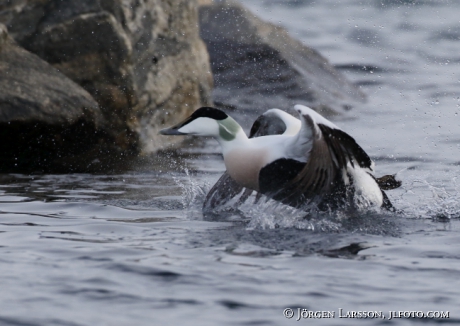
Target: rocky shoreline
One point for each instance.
(87, 85)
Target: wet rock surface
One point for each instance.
(41, 112)
(257, 65)
(143, 62)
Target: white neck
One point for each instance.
(241, 140)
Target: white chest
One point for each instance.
(244, 166)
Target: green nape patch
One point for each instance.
(228, 128)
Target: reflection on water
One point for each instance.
(134, 248)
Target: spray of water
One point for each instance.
(270, 214)
(417, 198)
(193, 194)
(424, 199)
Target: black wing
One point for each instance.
(317, 177)
(322, 177)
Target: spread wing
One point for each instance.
(323, 165)
(329, 153)
(272, 122)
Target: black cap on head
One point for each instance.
(204, 112)
(208, 112)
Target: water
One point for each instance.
(134, 249)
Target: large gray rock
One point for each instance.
(41, 111)
(257, 65)
(143, 61)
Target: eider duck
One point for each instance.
(298, 162)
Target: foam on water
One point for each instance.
(269, 214)
(420, 197)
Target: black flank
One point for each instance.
(277, 174)
(387, 203)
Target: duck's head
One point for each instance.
(206, 121)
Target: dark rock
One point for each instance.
(143, 61)
(257, 65)
(41, 111)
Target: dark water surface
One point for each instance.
(134, 248)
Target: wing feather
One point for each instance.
(321, 168)
(330, 153)
(344, 145)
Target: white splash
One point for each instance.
(424, 199)
(193, 194)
